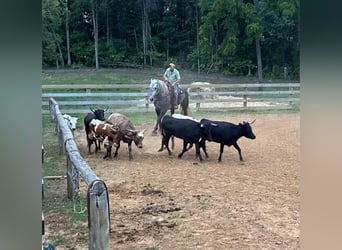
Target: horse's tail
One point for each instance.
(185, 103)
(161, 120)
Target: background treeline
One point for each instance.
(240, 37)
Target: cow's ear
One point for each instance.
(240, 124)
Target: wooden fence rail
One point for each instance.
(135, 97)
(97, 194)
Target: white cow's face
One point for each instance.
(71, 121)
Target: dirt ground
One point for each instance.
(162, 202)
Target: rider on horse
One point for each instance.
(172, 77)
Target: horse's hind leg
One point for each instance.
(185, 104)
(154, 132)
(160, 116)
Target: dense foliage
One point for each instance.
(204, 35)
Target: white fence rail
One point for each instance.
(134, 97)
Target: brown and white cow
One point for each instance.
(105, 132)
(129, 133)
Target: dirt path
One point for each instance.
(162, 202)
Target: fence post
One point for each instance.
(245, 99)
(52, 110)
(60, 139)
(98, 216)
(43, 219)
(42, 178)
(147, 102)
(88, 90)
(73, 186)
(291, 95)
(198, 104)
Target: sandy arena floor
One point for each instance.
(162, 202)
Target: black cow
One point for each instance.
(227, 133)
(188, 130)
(96, 114)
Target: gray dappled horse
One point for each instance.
(160, 96)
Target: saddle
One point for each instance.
(180, 91)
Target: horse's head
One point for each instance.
(153, 89)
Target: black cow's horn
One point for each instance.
(92, 110)
(252, 121)
(105, 109)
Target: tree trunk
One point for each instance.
(67, 31)
(107, 24)
(68, 42)
(197, 41)
(259, 62)
(144, 30)
(95, 31)
(167, 49)
(258, 48)
(60, 55)
(136, 41)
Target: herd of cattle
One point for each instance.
(119, 128)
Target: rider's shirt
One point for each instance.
(172, 76)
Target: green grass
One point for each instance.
(92, 76)
(52, 159)
(55, 164)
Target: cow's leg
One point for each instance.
(184, 149)
(162, 144)
(108, 152)
(89, 142)
(130, 156)
(198, 152)
(204, 148)
(172, 142)
(116, 150)
(96, 146)
(99, 145)
(165, 142)
(221, 151)
(106, 155)
(239, 150)
(190, 146)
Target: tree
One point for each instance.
(226, 36)
(52, 13)
(67, 32)
(257, 32)
(94, 10)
